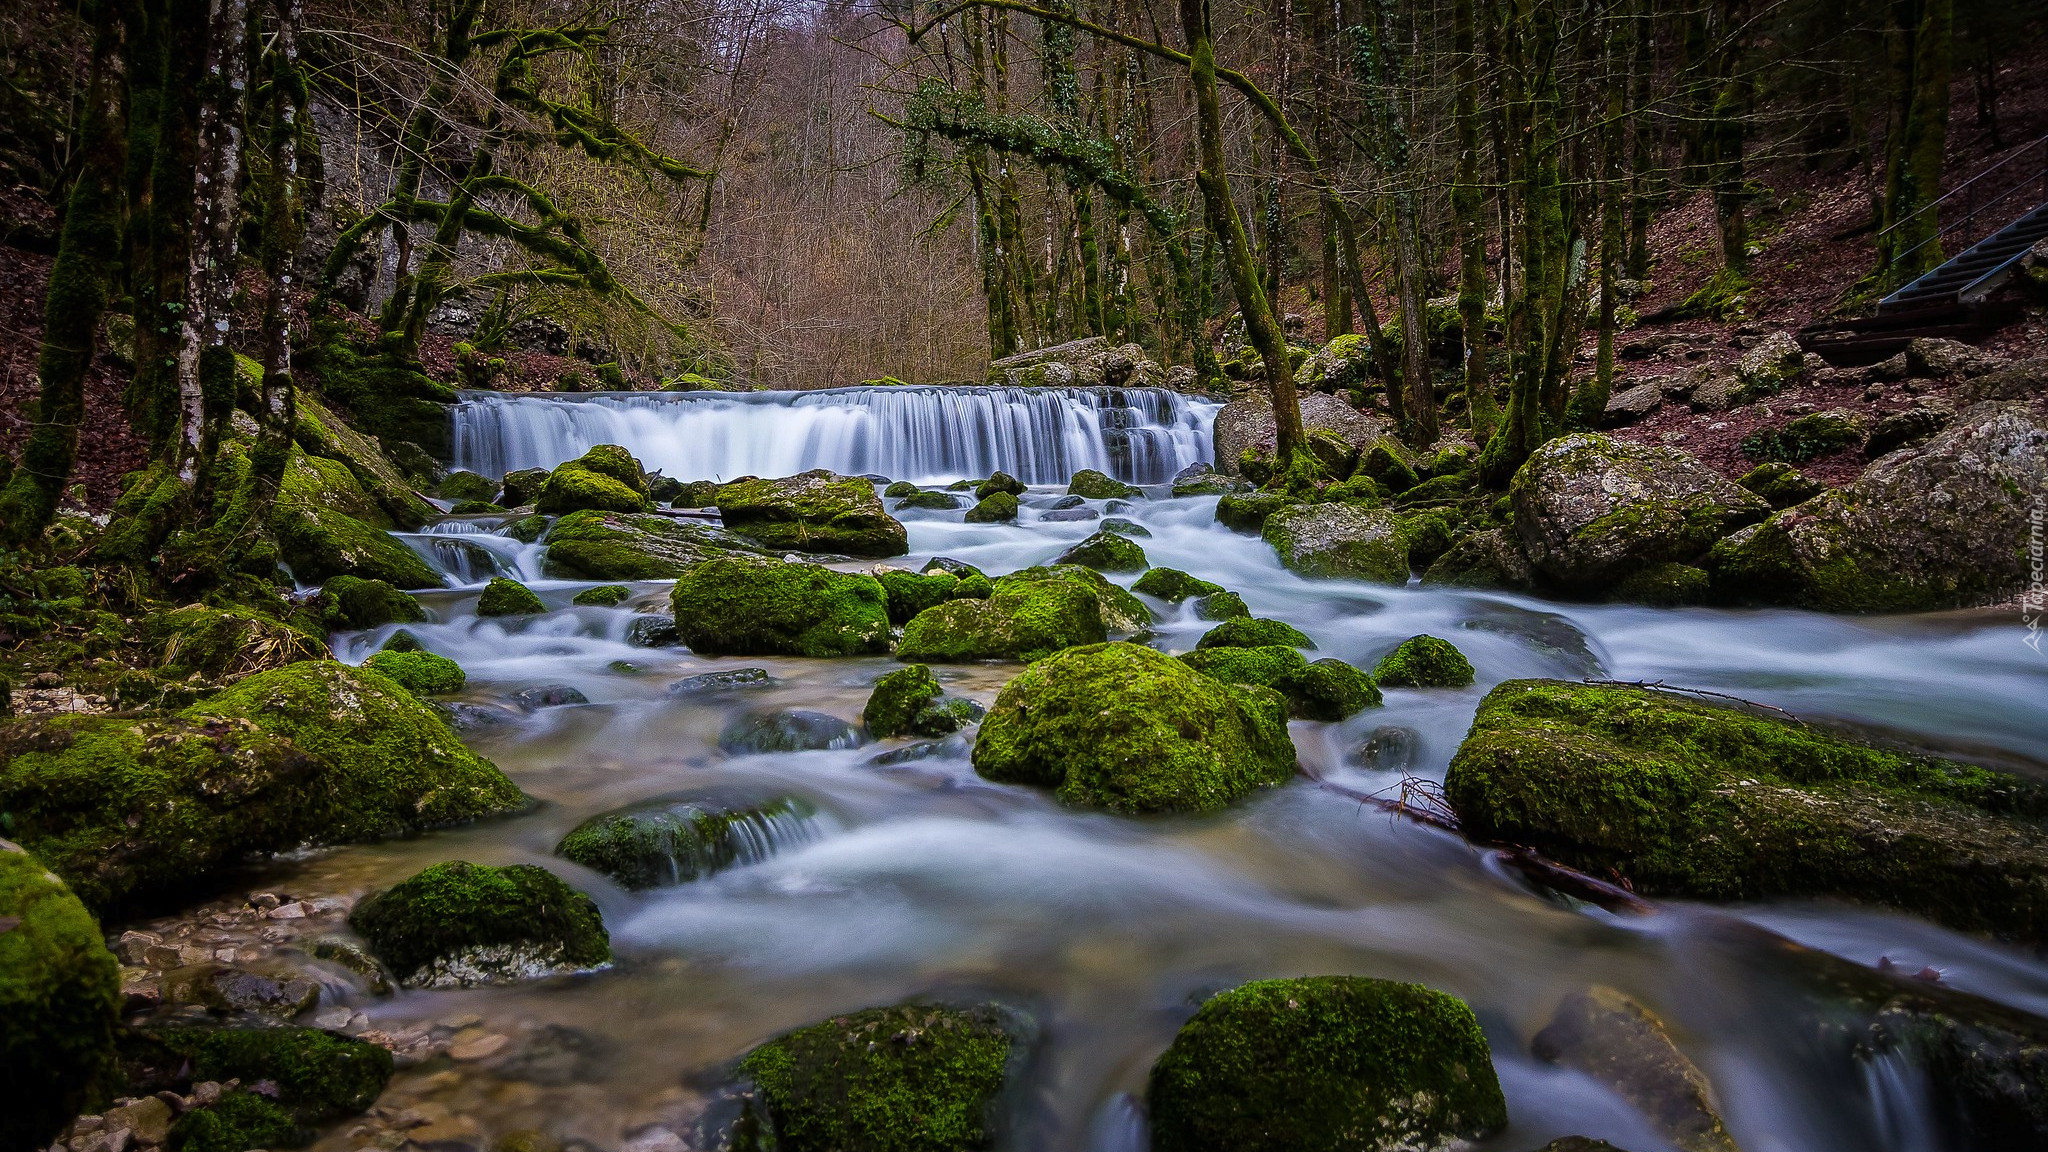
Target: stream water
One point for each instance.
(915, 878)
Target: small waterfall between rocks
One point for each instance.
(1039, 435)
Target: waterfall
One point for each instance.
(469, 552)
(925, 435)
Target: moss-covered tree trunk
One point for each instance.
(1467, 216)
(1921, 41)
(206, 362)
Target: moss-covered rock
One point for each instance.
(1122, 613)
(912, 592)
(1664, 585)
(527, 529)
(1389, 465)
(603, 596)
(382, 475)
(1326, 1064)
(597, 545)
(995, 508)
(60, 992)
(973, 586)
(1346, 540)
(1002, 483)
(521, 488)
(348, 603)
(504, 596)
(1202, 480)
(389, 765)
(236, 1122)
(1805, 437)
(816, 511)
(909, 702)
(1423, 662)
(1685, 799)
(1325, 690)
(1250, 632)
(1096, 485)
(1781, 485)
(606, 478)
(325, 526)
(914, 1078)
(458, 925)
(1132, 730)
(744, 606)
(1221, 606)
(1106, 552)
(318, 1077)
(1022, 619)
(900, 489)
(459, 486)
(220, 643)
(938, 501)
(697, 494)
(421, 673)
(665, 842)
(1173, 584)
(1489, 558)
(1247, 512)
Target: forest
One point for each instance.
(931, 575)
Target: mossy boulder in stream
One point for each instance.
(602, 596)
(913, 1078)
(606, 478)
(1023, 619)
(520, 488)
(1252, 632)
(60, 991)
(458, 925)
(221, 642)
(1130, 729)
(665, 842)
(744, 606)
(995, 508)
(1351, 541)
(1423, 662)
(1686, 799)
(1122, 613)
(912, 592)
(325, 525)
(815, 511)
(596, 545)
(909, 702)
(1173, 584)
(1324, 690)
(504, 596)
(239, 1119)
(1326, 1064)
(349, 603)
(421, 673)
(1093, 484)
(1106, 552)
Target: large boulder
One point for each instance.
(596, 545)
(1093, 484)
(1685, 799)
(1423, 662)
(1351, 541)
(1024, 619)
(1246, 425)
(1106, 552)
(1090, 362)
(319, 432)
(743, 606)
(459, 925)
(816, 511)
(326, 525)
(606, 478)
(1590, 510)
(910, 702)
(1489, 558)
(60, 992)
(1944, 525)
(1133, 730)
(1326, 1064)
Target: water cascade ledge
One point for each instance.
(925, 435)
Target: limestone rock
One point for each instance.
(1345, 540)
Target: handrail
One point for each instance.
(1969, 219)
(1944, 197)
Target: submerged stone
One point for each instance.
(1612, 1038)
(547, 696)
(727, 680)
(787, 731)
(458, 925)
(667, 842)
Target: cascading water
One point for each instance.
(1039, 435)
(470, 552)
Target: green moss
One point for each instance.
(421, 673)
(320, 1077)
(1002, 483)
(994, 508)
(597, 545)
(674, 842)
(217, 642)
(1325, 690)
(476, 508)
(457, 924)
(1022, 619)
(1390, 465)
(1685, 799)
(325, 525)
(1325, 1064)
(1248, 632)
(942, 501)
(236, 1122)
(59, 995)
(742, 606)
(1664, 585)
(1094, 485)
(900, 489)
(1221, 606)
(1780, 484)
(1126, 728)
(973, 586)
(1423, 662)
(1348, 540)
(390, 397)
(460, 485)
(915, 1078)
(816, 511)
(1106, 552)
(527, 529)
(1121, 611)
(504, 596)
(349, 603)
(697, 494)
(1173, 584)
(1247, 512)
(1427, 535)
(572, 488)
(1452, 487)
(388, 764)
(1805, 438)
(912, 592)
(521, 488)
(893, 706)
(603, 596)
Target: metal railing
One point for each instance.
(1973, 204)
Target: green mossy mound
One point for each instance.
(1664, 586)
(1221, 606)
(912, 592)
(460, 486)
(457, 925)
(325, 526)
(1342, 541)
(319, 1077)
(348, 604)
(603, 596)
(527, 529)
(597, 545)
(389, 397)
(1250, 632)
(1173, 584)
(1248, 512)
(1325, 1064)
(1106, 552)
(676, 841)
(1132, 730)
(504, 596)
(1326, 690)
(940, 501)
(1121, 611)
(389, 764)
(220, 643)
(995, 508)
(521, 488)
(236, 1122)
(1423, 662)
(1091, 484)
(1781, 485)
(914, 1078)
(900, 489)
(421, 673)
(1000, 484)
(1022, 619)
(743, 607)
(319, 432)
(973, 586)
(60, 991)
(605, 479)
(1685, 799)
(815, 511)
(909, 702)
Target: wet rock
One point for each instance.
(727, 680)
(1122, 527)
(1685, 799)
(1248, 512)
(912, 592)
(1327, 690)
(1023, 619)
(1106, 552)
(1632, 405)
(1546, 632)
(547, 696)
(816, 511)
(652, 630)
(1491, 558)
(1173, 584)
(1000, 484)
(606, 478)
(995, 508)
(1423, 662)
(1202, 480)
(1907, 427)
(1220, 606)
(1070, 515)
(59, 992)
(733, 606)
(1132, 730)
(635, 546)
(787, 731)
(507, 597)
(1344, 541)
(667, 842)
(1247, 632)
(1623, 1045)
(556, 1055)
(467, 717)
(458, 925)
(227, 989)
(521, 487)
(958, 569)
(603, 596)
(1390, 748)
(1389, 465)
(347, 954)
(1326, 1062)
(1246, 425)
(1064, 503)
(1781, 485)
(909, 702)
(938, 501)
(1096, 485)
(349, 603)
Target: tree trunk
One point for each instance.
(206, 363)
(1923, 50)
(1467, 208)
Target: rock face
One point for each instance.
(606, 478)
(665, 842)
(1941, 526)
(1246, 425)
(60, 990)
(912, 1078)
(1491, 558)
(1618, 1042)
(1133, 730)
(744, 606)
(634, 546)
(459, 925)
(1590, 510)
(786, 731)
(1327, 690)
(1345, 541)
(1326, 1064)
(1688, 800)
(816, 511)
